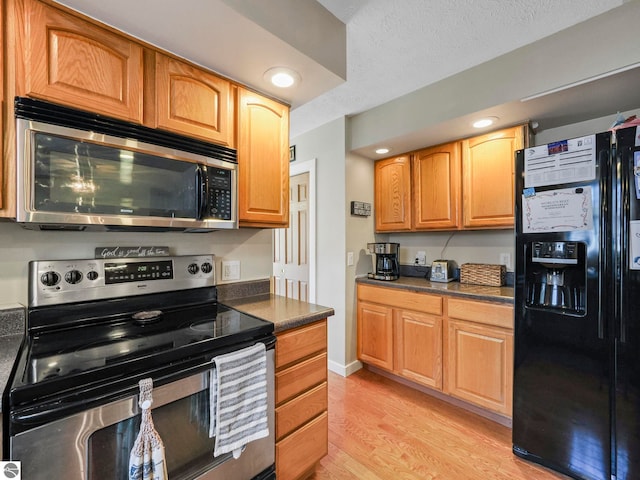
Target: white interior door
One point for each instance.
(291, 245)
(294, 248)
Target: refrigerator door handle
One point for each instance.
(622, 242)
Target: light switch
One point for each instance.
(349, 259)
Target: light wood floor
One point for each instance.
(382, 430)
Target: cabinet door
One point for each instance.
(436, 187)
(263, 161)
(480, 365)
(375, 335)
(418, 352)
(392, 187)
(488, 171)
(77, 63)
(193, 101)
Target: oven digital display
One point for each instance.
(122, 272)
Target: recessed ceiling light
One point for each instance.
(382, 151)
(485, 122)
(282, 77)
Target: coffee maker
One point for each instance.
(385, 261)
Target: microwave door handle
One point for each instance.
(202, 180)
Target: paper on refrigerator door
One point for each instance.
(562, 210)
(634, 245)
(560, 162)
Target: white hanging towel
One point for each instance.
(238, 399)
(146, 461)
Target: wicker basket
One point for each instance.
(483, 274)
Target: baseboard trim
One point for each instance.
(344, 370)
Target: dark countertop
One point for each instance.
(283, 312)
(419, 284)
(11, 333)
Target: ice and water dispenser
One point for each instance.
(556, 276)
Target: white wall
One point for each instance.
(18, 246)
(580, 129)
(463, 247)
(327, 145)
(359, 231)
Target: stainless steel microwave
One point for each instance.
(77, 170)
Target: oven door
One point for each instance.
(95, 444)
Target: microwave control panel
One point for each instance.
(220, 201)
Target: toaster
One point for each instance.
(443, 271)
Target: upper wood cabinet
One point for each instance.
(488, 167)
(75, 62)
(393, 194)
(468, 184)
(436, 187)
(263, 161)
(194, 102)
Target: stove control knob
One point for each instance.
(206, 267)
(50, 278)
(73, 277)
(92, 275)
(193, 268)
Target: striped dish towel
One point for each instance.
(238, 399)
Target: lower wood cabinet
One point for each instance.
(302, 423)
(375, 334)
(480, 354)
(461, 347)
(401, 331)
(419, 347)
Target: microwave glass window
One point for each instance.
(80, 177)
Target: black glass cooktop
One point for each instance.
(130, 338)
(74, 350)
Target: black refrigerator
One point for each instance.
(576, 405)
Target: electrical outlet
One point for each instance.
(231, 270)
(505, 259)
(349, 259)
(421, 258)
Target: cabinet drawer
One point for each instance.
(421, 302)
(299, 452)
(300, 410)
(301, 342)
(300, 377)
(481, 312)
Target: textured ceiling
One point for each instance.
(397, 46)
(393, 47)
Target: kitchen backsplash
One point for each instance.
(20, 246)
(424, 272)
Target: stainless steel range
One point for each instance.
(97, 327)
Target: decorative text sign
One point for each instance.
(131, 252)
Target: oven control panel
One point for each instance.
(65, 281)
